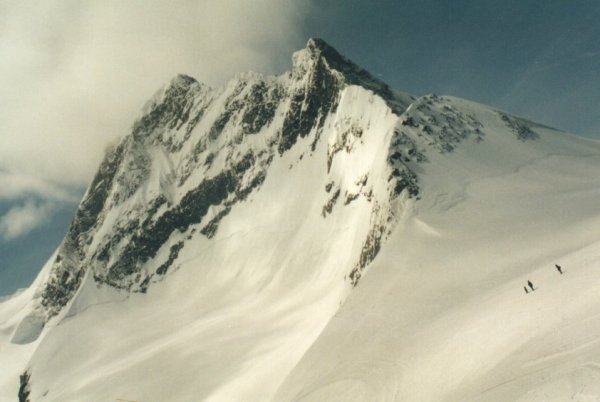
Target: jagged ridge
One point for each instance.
(196, 152)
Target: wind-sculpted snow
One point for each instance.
(220, 237)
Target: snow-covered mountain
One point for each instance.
(319, 236)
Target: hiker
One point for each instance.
(525, 289)
(558, 268)
(530, 285)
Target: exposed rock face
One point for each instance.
(196, 152)
(521, 128)
(67, 269)
(223, 239)
(24, 387)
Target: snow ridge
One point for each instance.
(191, 156)
(244, 217)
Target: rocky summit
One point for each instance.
(316, 236)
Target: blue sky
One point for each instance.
(22, 257)
(539, 59)
(75, 74)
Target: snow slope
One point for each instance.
(316, 236)
(235, 317)
(442, 314)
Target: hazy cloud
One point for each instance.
(75, 74)
(15, 186)
(22, 219)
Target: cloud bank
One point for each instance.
(75, 74)
(20, 220)
(16, 185)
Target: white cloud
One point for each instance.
(15, 186)
(75, 74)
(20, 220)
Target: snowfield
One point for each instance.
(442, 313)
(382, 257)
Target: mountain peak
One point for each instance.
(317, 50)
(228, 217)
(319, 45)
(183, 80)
